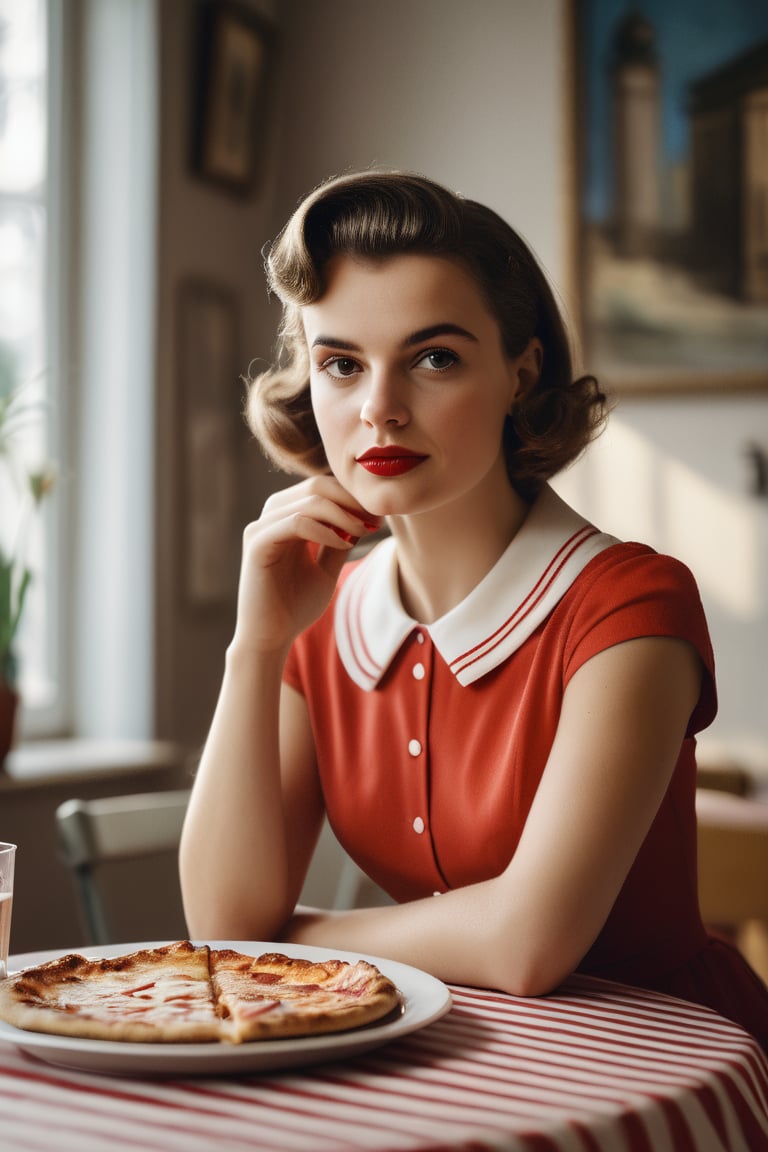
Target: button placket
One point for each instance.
(417, 743)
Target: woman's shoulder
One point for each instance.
(632, 565)
(629, 590)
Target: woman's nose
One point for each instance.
(384, 402)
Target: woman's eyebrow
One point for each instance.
(333, 342)
(446, 329)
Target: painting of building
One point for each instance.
(674, 199)
(729, 176)
(636, 122)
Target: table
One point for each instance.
(594, 1067)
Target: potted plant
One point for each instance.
(22, 490)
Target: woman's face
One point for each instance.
(410, 383)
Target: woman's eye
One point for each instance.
(437, 360)
(340, 367)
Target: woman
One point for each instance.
(497, 706)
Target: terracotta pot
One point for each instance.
(9, 700)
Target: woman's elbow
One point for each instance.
(530, 969)
(215, 919)
(532, 980)
(532, 984)
(226, 910)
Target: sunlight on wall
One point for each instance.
(629, 487)
(615, 486)
(717, 534)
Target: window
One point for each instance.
(27, 356)
(78, 195)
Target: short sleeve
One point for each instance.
(630, 591)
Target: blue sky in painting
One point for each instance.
(693, 37)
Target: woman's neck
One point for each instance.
(444, 554)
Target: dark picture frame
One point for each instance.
(235, 56)
(671, 194)
(209, 407)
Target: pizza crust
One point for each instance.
(186, 993)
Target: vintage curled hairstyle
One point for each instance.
(374, 215)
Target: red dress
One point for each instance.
(431, 740)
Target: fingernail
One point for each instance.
(345, 535)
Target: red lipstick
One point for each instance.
(390, 461)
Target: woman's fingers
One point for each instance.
(292, 557)
(316, 504)
(343, 510)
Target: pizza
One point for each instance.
(191, 993)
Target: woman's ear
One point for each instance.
(527, 368)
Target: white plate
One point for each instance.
(425, 1000)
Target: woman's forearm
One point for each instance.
(233, 848)
(462, 937)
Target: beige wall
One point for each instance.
(469, 93)
(475, 95)
(215, 238)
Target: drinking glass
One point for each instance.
(7, 858)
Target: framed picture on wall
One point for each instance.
(672, 201)
(211, 434)
(235, 56)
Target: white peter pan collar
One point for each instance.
(549, 551)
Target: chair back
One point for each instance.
(733, 870)
(123, 853)
(733, 858)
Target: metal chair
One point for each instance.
(123, 852)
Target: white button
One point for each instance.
(420, 637)
(419, 672)
(414, 747)
(437, 893)
(418, 825)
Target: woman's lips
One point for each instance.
(390, 461)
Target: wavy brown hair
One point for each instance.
(375, 215)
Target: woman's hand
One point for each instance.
(292, 557)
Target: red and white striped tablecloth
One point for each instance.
(596, 1067)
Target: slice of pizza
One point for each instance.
(273, 996)
(153, 995)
